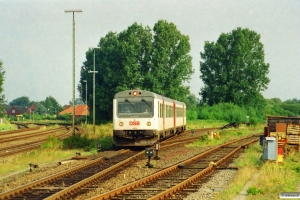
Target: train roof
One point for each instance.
(144, 93)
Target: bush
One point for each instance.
(65, 117)
(77, 142)
(51, 143)
(253, 191)
(228, 112)
(82, 142)
(191, 115)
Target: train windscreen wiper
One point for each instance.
(146, 102)
(129, 102)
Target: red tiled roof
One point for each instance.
(80, 110)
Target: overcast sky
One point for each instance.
(36, 38)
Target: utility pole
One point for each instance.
(73, 77)
(94, 72)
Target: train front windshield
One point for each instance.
(135, 106)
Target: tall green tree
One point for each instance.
(191, 102)
(171, 63)
(138, 57)
(20, 101)
(234, 70)
(51, 104)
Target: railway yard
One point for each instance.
(123, 174)
(179, 172)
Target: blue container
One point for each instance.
(269, 148)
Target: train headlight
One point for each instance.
(148, 123)
(134, 93)
(121, 123)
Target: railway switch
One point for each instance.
(149, 153)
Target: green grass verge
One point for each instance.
(272, 179)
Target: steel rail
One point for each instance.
(5, 151)
(151, 178)
(28, 187)
(67, 191)
(43, 181)
(21, 137)
(18, 131)
(64, 194)
(198, 176)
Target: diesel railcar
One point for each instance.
(142, 118)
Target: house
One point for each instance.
(80, 110)
(5, 108)
(17, 110)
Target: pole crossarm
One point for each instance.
(90, 71)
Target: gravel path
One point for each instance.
(218, 182)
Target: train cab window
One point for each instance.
(135, 106)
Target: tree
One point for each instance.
(292, 101)
(135, 58)
(51, 105)
(233, 69)
(192, 102)
(274, 101)
(40, 108)
(77, 101)
(21, 101)
(171, 64)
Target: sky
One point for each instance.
(36, 38)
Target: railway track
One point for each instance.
(5, 151)
(174, 182)
(29, 135)
(12, 143)
(59, 187)
(189, 135)
(18, 131)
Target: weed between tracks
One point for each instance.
(227, 135)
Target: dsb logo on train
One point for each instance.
(134, 123)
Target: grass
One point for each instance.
(54, 150)
(227, 135)
(272, 179)
(196, 124)
(6, 126)
(20, 162)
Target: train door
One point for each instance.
(174, 117)
(163, 114)
(183, 116)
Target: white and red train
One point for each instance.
(142, 118)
